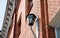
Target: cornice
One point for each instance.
(7, 18)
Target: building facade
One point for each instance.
(47, 12)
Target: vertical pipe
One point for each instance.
(46, 16)
(43, 24)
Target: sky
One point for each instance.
(2, 11)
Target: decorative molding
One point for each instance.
(7, 18)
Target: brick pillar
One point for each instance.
(50, 31)
(16, 25)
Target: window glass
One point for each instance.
(57, 32)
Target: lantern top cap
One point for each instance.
(31, 15)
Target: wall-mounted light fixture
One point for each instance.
(31, 19)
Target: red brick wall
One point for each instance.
(53, 6)
(25, 29)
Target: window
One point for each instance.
(57, 31)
